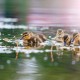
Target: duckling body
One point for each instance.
(32, 39)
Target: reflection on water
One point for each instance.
(28, 71)
(38, 66)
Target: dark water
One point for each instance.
(38, 66)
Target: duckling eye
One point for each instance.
(25, 35)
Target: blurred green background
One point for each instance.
(16, 9)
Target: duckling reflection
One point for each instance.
(76, 54)
(76, 49)
(28, 47)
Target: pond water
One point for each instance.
(39, 66)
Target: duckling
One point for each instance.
(76, 39)
(59, 35)
(67, 40)
(32, 39)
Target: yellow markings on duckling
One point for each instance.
(27, 47)
(27, 37)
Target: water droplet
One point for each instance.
(73, 62)
(55, 64)
(28, 55)
(45, 58)
(8, 61)
(1, 66)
